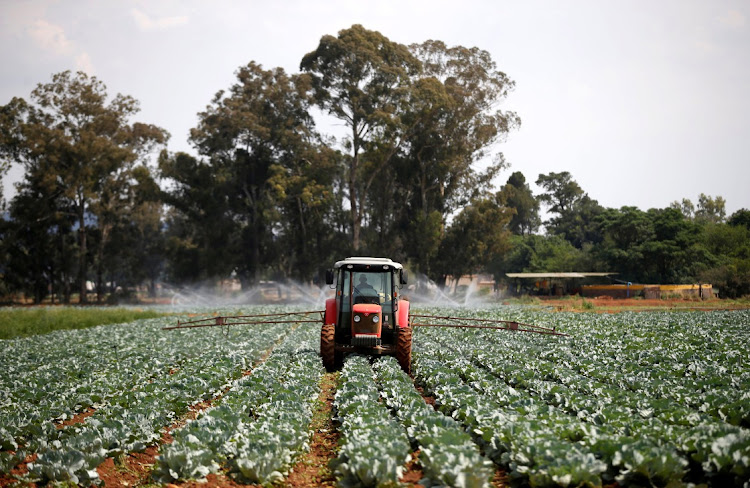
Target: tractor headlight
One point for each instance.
(375, 319)
(357, 318)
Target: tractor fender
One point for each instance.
(331, 311)
(403, 313)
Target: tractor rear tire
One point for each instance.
(328, 346)
(403, 348)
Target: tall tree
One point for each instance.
(305, 197)
(626, 231)
(455, 98)
(260, 150)
(685, 206)
(140, 239)
(740, 218)
(729, 269)
(476, 237)
(562, 192)
(30, 237)
(4, 167)
(575, 212)
(675, 253)
(517, 195)
(360, 77)
(82, 139)
(200, 233)
(452, 121)
(711, 209)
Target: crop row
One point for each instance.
(447, 453)
(383, 419)
(549, 423)
(374, 447)
(260, 425)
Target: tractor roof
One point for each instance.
(360, 261)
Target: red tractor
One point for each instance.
(367, 315)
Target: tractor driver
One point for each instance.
(364, 288)
(364, 292)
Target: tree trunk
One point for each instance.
(256, 246)
(353, 166)
(99, 282)
(82, 252)
(100, 263)
(355, 217)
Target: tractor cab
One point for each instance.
(367, 313)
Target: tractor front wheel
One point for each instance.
(328, 346)
(403, 348)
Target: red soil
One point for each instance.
(312, 468)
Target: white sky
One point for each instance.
(643, 102)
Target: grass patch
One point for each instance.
(25, 322)
(587, 305)
(523, 300)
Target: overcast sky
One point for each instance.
(643, 102)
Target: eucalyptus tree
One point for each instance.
(458, 121)
(361, 78)
(711, 209)
(199, 230)
(260, 161)
(517, 195)
(453, 121)
(83, 141)
(575, 213)
(562, 192)
(36, 244)
(305, 195)
(134, 251)
(4, 167)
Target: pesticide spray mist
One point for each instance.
(421, 291)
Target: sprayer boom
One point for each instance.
(267, 318)
(415, 319)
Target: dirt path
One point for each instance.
(11, 478)
(413, 472)
(312, 469)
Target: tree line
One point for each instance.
(267, 195)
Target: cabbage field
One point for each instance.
(631, 399)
